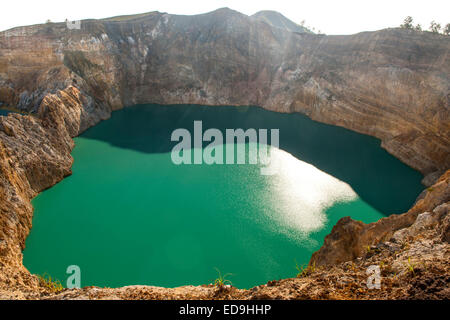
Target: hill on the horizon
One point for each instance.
(276, 19)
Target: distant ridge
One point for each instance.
(276, 19)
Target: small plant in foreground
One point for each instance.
(222, 281)
(411, 267)
(305, 271)
(48, 282)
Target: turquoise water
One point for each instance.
(128, 215)
(4, 112)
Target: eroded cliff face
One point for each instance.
(34, 155)
(392, 84)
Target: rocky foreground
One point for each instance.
(392, 84)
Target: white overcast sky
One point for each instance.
(329, 16)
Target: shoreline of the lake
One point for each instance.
(153, 124)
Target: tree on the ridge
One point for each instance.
(447, 29)
(435, 27)
(407, 23)
(418, 27)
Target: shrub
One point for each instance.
(49, 283)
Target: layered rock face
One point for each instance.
(392, 84)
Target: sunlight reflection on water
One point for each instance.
(302, 194)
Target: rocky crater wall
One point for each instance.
(392, 84)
